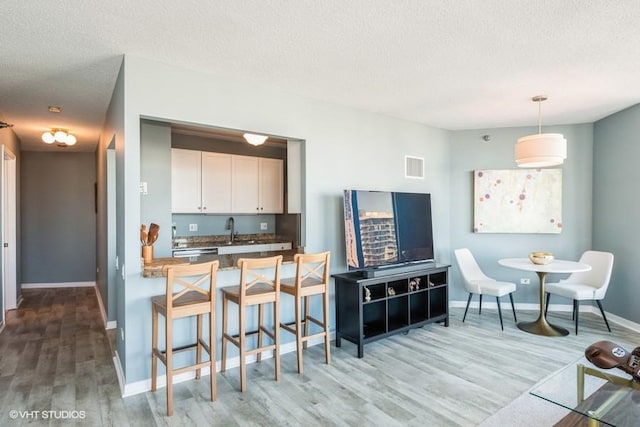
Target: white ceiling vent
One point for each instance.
(413, 167)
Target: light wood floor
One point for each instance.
(55, 356)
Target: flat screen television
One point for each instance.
(384, 228)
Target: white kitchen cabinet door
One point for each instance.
(185, 181)
(216, 182)
(271, 186)
(245, 193)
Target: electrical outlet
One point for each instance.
(525, 281)
(122, 334)
(263, 226)
(193, 227)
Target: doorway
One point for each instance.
(8, 230)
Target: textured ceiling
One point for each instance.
(460, 64)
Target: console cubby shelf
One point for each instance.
(368, 309)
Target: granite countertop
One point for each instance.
(227, 261)
(203, 242)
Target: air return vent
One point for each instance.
(413, 167)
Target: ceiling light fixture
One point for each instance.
(543, 149)
(254, 139)
(61, 137)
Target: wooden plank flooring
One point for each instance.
(56, 356)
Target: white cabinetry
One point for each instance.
(257, 185)
(205, 182)
(186, 181)
(200, 182)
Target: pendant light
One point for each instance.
(543, 149)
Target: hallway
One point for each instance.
(55, 356)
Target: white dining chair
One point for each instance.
(476, 282)
(589, 285)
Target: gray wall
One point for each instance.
(470, 152)
(58, 217)
(616, 206)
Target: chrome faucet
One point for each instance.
(231, 226)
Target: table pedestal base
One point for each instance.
(542, 327)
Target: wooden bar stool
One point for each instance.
(256, 288)
(191, 291)
(312, 278)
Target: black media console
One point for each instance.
(368, 309)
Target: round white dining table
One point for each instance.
(541, 326)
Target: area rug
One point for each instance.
(526, 411)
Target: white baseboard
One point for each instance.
(584, 308)
(145, 385)
(107, 324)
(57, 285)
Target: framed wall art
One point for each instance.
(517, 201)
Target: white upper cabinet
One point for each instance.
(271, 186)
(186, 181)
(216, 182)
(257, 185)
(205, 182)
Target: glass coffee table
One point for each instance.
(595, 397)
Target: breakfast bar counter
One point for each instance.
(227, 261)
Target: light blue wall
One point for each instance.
(155, 170)
(111, 285)
(616, 207)
(344, 148)
(59, 217)
(470, 152)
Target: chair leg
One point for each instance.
(298, 309)
(325, 320)
(480, 305)
(198, 344)
(513, 307)
(500, 313)
(546, 307)
(169, 356)
(306, 320)
(603, 316)
(242, 343)
(276, 336)
(260, 331)
(212, 353)
(577, 311)
(465, 310)
(573, 313)
(223, 352)
(154, 346)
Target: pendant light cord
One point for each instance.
(539, 116)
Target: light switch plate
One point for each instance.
(263, 226)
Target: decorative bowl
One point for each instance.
(541, 258)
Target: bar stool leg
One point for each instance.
(223, 353)
(260, 331)
(169, 364)
(154, 345)
(325, 321)
(298, 308)
(306, 320)
(276, 335)
(199, 344)
(212, 355)
(242, 342)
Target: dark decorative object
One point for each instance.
(607, 355)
